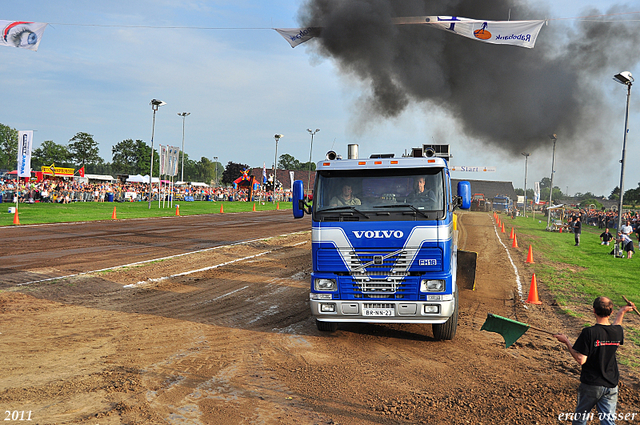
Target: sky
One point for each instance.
(100, 63)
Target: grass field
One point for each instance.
(93, 211)
(576, 275)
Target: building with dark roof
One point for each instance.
(488, 188)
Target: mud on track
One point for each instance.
(234, 343)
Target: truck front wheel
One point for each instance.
(326, 326)
(447, 330)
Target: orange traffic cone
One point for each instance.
(113, 215)
(513, 233)
(221, 209)
(533, 292)
(515, 241)
(16, 219)
(254, 206)
(530, 256)
(502, 228)
(278, 206)
(177, 209)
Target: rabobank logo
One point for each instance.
(482, 33)
(378, 234)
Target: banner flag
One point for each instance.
(26, 35)
(81, 172)
(536, 192)
(297, 36)
(514, 33)
(291, 173)
(163, 160)
(174, 153)
(25, 141)
(264, 172)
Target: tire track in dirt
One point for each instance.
(236, 344)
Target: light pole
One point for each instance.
(183, 115)
(526, 160)
(215, 161)
(155, 104)
(625, 78)
(553, 170)
(275, 166)
(310, 150)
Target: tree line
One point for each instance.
(127, 157)
(132, 157)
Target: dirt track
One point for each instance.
(234, 343)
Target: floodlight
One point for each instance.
(624, 77)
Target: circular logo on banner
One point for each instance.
(482, 33)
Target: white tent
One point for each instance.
(142, 179)
(101, 177)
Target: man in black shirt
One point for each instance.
(577, 229)
(605, 237)
(595, 350)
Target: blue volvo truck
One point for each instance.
(384, 241)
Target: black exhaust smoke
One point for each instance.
(505, 96)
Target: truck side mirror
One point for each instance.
(297, 200)
(464, 195)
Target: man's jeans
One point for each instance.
(605, 400)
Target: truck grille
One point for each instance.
(379, 263)
(378, 274)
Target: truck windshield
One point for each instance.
(380, 195)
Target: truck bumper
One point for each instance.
(380, 311)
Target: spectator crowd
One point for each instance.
(64, 192)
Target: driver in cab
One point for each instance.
(421, 194)
(344, 198)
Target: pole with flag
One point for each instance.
(511, 330)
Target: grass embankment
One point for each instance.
(93, 211)
(576, 275)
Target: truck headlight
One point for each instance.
(327, 308)
(427, 285)
(431, 309)
(325, 285)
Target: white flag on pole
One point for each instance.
(536, 192)
(163, 160)
(25, 141)
(173, 154)
(26, 35)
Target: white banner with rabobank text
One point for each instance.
(514, 33)
(25, 141)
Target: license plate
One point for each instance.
(378, 312)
